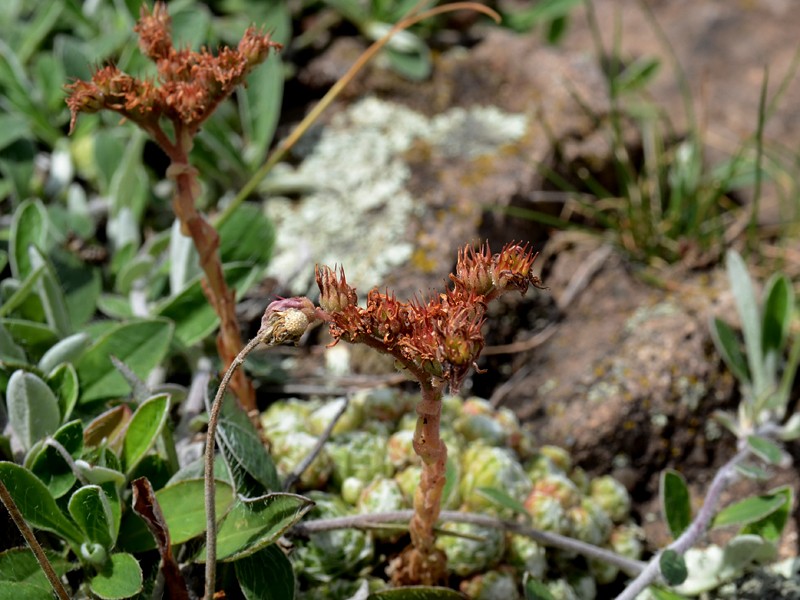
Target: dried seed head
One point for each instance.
(335, 294)
(287, 320)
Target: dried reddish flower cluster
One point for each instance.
(190, 84)
(439, 339)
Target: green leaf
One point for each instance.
(248, 461)
(749, 510)
(266, 575)
(752, 471)
(778, 311)
(193, 316)
(63, 380)
(750, 316)
(143, 430)
(19, 565)
(141, 345)
(48, 464)
(91, 510)
(28, 228)
(122, 578)
(114, 306)
(82, 285)
(418, 592)
(503, 500)
(35, 338)
(535, 589)
(415, 65)
(673, 567)
(183, 507)
(247, 236)
(12, 128)
(260, 107)
(32, 408)
(765, 449)
(35, 502)
(8, 349)
(138, 268)
(662, 594)
(637, 75)
(727, 344)
(184, 263)
(253, 524)
(107, 427)
(24, 591)
(771, 526)
(542, 12)
(67, 350)
(675, 502)
(50, 293)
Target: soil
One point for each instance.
(621, 372)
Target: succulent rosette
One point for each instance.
(560, 457)
(350, 420)
(341, 589)
(383, 495)
(550, 500)
(326, 556)
(290, 449)
(474, 549)
(408, 480)
(626, 539)
(539, 466)
(287, 416)
(485, 466)
(359, 454)
(612, 496)
(384, 404)
(589, 523)
(526, 555)
(492, 585)
(400, 449)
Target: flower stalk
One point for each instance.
(437, 343)
(190, 85)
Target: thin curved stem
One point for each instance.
(554, 540)
(210, 485)
(33, 543)
(280, 151)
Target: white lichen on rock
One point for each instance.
(359, 209)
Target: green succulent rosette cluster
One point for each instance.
(369, 466)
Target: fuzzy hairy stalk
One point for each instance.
(210, 485)
(206, 240)
(283, 321)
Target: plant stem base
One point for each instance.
(414, 568)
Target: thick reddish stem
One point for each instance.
(206, 240)
(424, 563)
